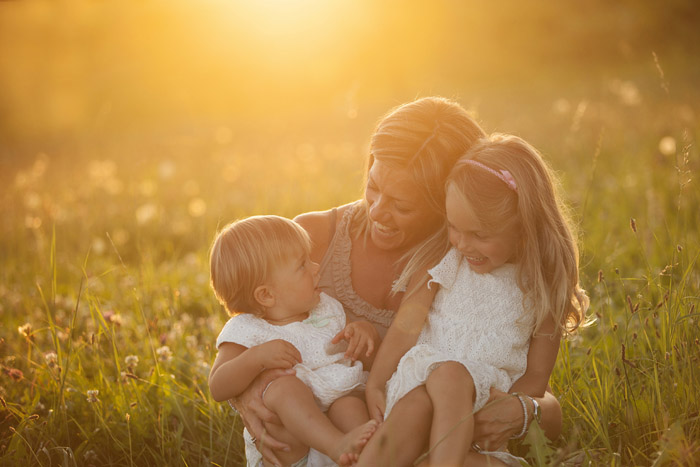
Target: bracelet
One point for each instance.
(536, 412)
(233, 407)
(525, 420)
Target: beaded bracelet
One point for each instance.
(525, 420)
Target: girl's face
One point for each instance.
(294, 285)
(399, 216)
(485, 251)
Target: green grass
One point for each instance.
(104, 253)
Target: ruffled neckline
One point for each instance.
(342, 280)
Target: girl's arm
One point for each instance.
(497, 422)
(401, 336)
(541, 358)
(236, 366)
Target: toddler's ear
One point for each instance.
(263, 295)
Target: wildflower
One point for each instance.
(111, 317)
(15, 374)
(25, 330)
(90, 456)
(51, 359)
(164, 353)
(633, 224)
(92, 395)
(191, 341)
(131, 361)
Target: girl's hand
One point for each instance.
(254, 414)
(362, 339)
(498, 420)
(277, 353)
(376, 403)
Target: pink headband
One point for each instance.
(502, 174)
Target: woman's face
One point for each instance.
(400, 217)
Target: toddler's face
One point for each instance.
(485, 251)
(295, 285)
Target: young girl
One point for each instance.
(262, 274)
(510, 282)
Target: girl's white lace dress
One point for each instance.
(477, 320)
(324, 368)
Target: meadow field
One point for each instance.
(109, 206)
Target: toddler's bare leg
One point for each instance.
(294, 404)
(404, 435)
(451, 389)
(348, 412)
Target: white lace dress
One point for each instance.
(324, 369)
(477, 320)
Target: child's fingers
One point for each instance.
(376, 413)
(338, 337)
(370, 347)
(359, 347)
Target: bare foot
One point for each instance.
(352, 443)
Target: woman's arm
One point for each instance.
(502, 417)
(236, 366)
(401, 336)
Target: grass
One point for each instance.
(109, 322)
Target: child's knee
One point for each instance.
(451, 372)
(282, 387)
(450, 379)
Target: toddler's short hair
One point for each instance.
(245, 253)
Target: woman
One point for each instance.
(368, 251)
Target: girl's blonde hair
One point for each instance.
(425, 136)
(547, 256)
(244, 255)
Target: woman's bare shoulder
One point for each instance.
(318, 225)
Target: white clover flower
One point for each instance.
(164, 353)
(25, 330)
(92, 395)
(131, 361)
(51, 359)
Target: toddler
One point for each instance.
(262, 274)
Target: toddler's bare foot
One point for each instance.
(353, 442)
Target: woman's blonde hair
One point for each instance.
(425, 136)
(547, 256)
(244, 255)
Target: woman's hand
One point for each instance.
(498, 420)
(254, 414)
(376, 403)
(362, 339)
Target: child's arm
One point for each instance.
(236, 366)
(502, 417)
(401, 336)
(541, 357)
